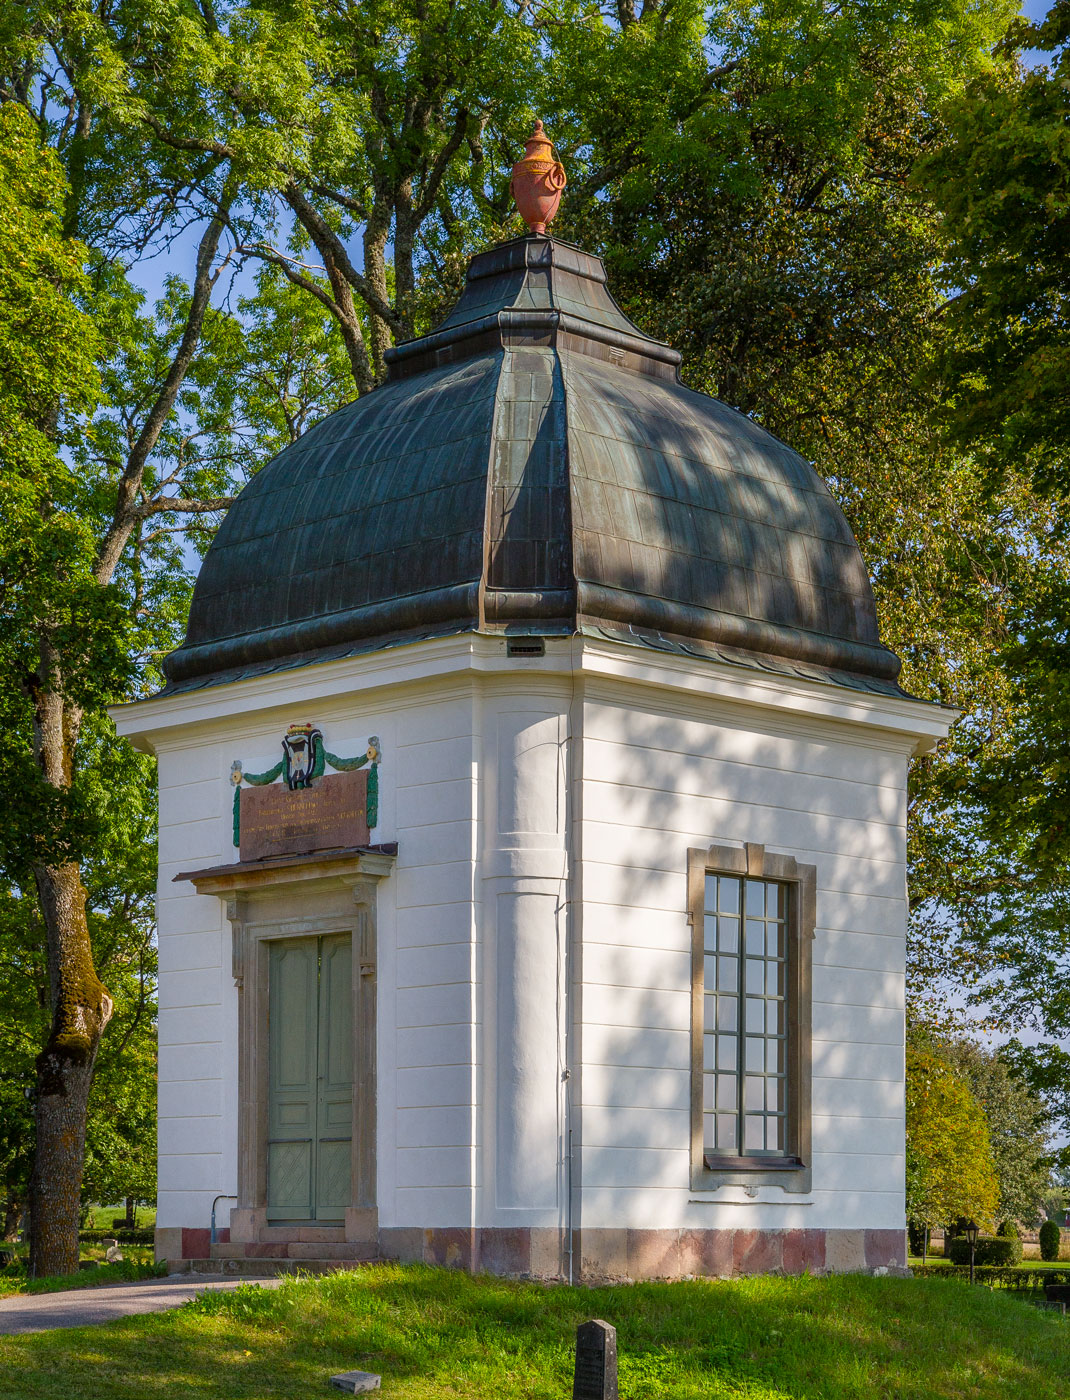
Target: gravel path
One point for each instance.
(84, 1307)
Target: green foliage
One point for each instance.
(999, 1252)
(1002, 179)
(1050, 1240)
(49, 382)
(949, 1168)
(121, 880)
(1017, 1119)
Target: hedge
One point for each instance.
(994, 1276)
(1000, 1251)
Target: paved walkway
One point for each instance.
(83, 1307)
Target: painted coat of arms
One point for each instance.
(308, 810)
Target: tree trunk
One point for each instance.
(12, 1217)
(81, 1008)
(376, 234)
(404, 243)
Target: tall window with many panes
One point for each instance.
(745, 1020)
(752, 915)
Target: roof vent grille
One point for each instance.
(525, 646)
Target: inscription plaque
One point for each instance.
(595, 1375)
(278, 822)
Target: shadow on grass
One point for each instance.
(436, 1334)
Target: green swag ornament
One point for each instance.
(304, 759)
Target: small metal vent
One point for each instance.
(526, 646)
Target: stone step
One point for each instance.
(264, 1268)
(302, 1234)
(297, 1249)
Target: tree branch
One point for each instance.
(330, 245)
(183, 505)
(125, 514)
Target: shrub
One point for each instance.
(1050, 1240)
(1000, 1251)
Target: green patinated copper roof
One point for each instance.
(534, 465)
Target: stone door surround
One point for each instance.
(290, 897)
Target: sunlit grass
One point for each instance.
(137, 1263)
(433, 1335)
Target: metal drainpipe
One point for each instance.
(214, 1204)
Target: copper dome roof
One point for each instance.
(534, 465)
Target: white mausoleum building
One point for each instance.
(566, 937)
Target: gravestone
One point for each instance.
(356, 1382)
(595, 1375)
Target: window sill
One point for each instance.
(790, 1174)
(752, 1164)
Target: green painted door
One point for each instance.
(310, 1078)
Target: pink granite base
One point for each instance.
(597, 1256)
(600, 1255)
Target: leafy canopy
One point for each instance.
(949, 1167)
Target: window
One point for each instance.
(753, 918)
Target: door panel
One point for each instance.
(292, 1077)
(335, 1106)
(310, 1078)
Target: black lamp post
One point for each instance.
(971, 1232)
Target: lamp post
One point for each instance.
(971, 1233)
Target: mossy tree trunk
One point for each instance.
(81, 1007)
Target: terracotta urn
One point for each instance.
(537, 181)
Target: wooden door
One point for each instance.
(310, 1078)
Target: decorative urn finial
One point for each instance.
(537, 181)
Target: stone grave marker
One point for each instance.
(356, 1382)
(595, 1375)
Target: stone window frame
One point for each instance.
(751, 860)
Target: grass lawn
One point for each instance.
(434, 1335)
(101, 1217)
(137, 1263)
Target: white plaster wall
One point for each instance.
(660, 775)
(426, 1041)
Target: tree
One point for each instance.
(1001, 179)
(949, 1167)
(1017, 1125)
(120, 1131)
(375, 121)
(74, 546)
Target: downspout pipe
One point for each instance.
(214, 1204)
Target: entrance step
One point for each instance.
(267, 1268)
(298, 1249)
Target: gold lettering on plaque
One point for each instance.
(331, 815)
